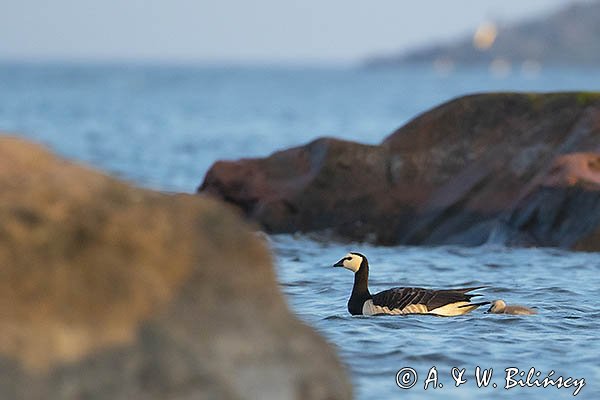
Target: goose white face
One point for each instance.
(350, 261)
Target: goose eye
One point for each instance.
(348, 258)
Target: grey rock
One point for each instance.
(113, 292)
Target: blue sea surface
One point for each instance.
(163, 126)
(563, 337)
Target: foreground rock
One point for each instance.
(462, 173)
(113, 292)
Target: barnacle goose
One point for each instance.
(500, 307)
(403, 300)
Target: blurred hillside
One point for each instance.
(570, 36)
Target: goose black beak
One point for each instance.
(339, 263)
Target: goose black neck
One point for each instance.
(361, 279)
(360, 290)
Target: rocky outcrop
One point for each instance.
(328, 183)
(563, 207)
(460, 173)
(113, 292)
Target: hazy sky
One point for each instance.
(240, 30)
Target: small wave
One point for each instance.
(299, 283)
(436, 357)
(494, 266)
(335, 318)
(504, 319)
(390, 353)
(500, 290)
(556, 290)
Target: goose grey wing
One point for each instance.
(442, 298)
(400, 298)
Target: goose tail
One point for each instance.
(475, 305)
(467, 289)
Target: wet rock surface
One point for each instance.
(113, 292)
(461, 173)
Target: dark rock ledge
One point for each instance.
(518, 168)
(113, 292)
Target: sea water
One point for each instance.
(163, 126)
(563, 337)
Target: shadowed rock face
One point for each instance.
(455, 174)
(563, 208)
(328, 183)
(113, 292)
